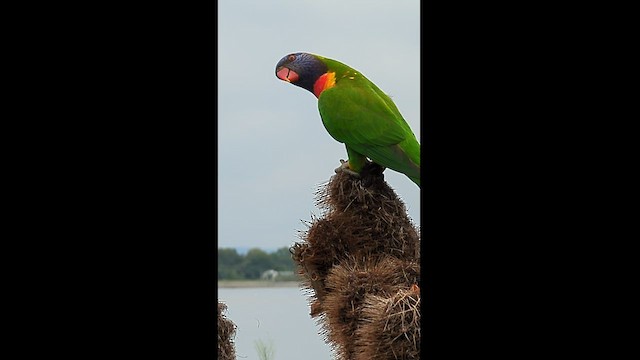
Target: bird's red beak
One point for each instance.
(287, 74)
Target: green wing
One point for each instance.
(367, 121)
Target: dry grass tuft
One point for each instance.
(226, 333)
(390, 327)
(350, 284)
(359, 222)
(363, 247)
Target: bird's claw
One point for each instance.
(345, 168)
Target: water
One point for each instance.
(279, 316)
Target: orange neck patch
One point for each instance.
(324, 82)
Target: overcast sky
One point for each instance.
(273, 151)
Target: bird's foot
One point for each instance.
(371, 172)
(346, 169)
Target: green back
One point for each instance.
(357, 113)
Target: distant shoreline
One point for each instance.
(256, 283)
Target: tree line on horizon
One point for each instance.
(234, 266)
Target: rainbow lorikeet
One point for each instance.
(357, 113)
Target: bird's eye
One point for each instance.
(291, 57)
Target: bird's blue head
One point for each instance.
(301, 69)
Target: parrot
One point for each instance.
(355, 112)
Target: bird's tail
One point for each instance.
(415, 180)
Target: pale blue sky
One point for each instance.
(273, 150)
